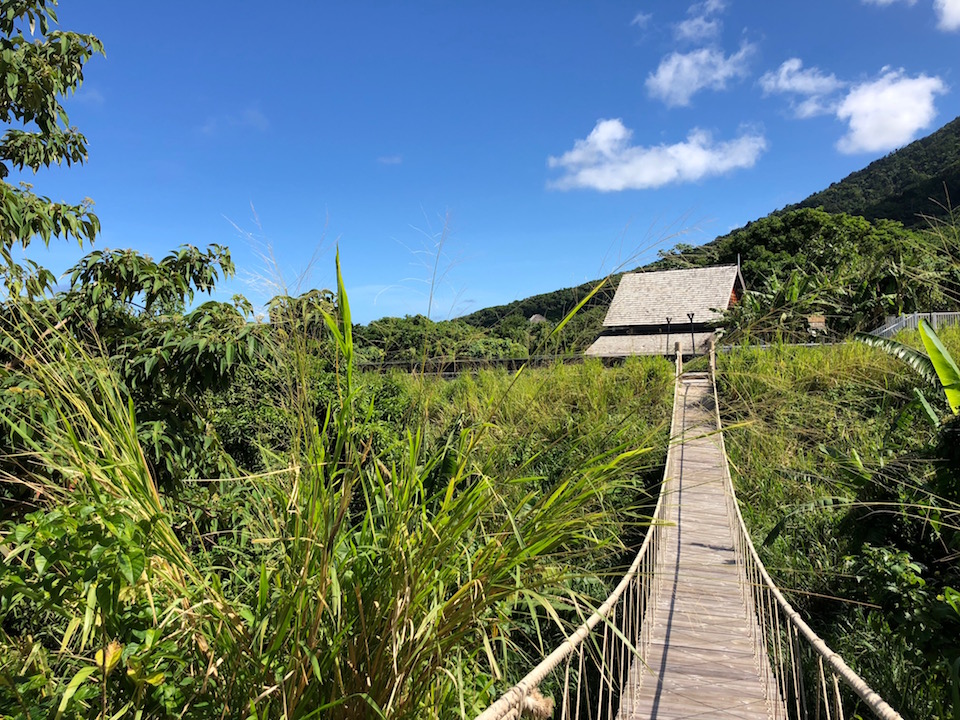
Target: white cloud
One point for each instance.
(814, 87)
(697, 28)
(641, 19)
(885, 114)
(681, 75)
(790, 77)
(250, 118)
(701, 25)
(948, 14)
(708, 7)
(390, 159)
(606, 160)
(815, 105)
(947, 11)
(89, 95)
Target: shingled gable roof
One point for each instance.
(649, 298)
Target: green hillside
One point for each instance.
(905, 185)
(893, 194)
(552, 305)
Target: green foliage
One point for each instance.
(132, 309)
(554, 305)
(943, 362)
(302, 315)
(778, 310)
(369, 569)
(76, 578)
(937, 367)
(34, 76)
(859, 499)
(574, 320)
(913, 357)
(855, 272)
(414, 338)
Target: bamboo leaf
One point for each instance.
(121, 712)
(68, 634)
(264, 588)
(579, 306)
(72, 688)
(927, 408)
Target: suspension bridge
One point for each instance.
(696, 628)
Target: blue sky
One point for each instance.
(544, 143)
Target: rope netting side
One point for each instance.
(594, 669)
(803, 676)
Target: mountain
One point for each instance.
(552, 305)
(903, 186)
(906, 185)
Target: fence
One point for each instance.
(912, 322)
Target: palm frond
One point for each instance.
(914, 358)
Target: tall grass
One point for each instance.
(844, 486)
(341, 581)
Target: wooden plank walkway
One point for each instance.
(703, 659)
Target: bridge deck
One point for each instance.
(703, 659)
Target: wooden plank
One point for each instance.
(703, 659)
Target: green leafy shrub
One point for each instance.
(387, 559)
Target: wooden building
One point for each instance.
(652, 311)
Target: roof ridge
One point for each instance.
(660, 297)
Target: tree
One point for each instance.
(122, 306)
(135, 310)
(861, 270)
(35, 75)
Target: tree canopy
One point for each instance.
(39, 67)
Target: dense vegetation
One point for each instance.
(205, 515)
(404, 539)
(853, 498)
(208, 516)
(852, 271)
(490, 334)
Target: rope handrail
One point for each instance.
(796, 670)
(510, 703)
(876, 703)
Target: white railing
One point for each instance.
(912, 322)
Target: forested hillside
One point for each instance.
(877, 242)
(906, 185)
(852, 271)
